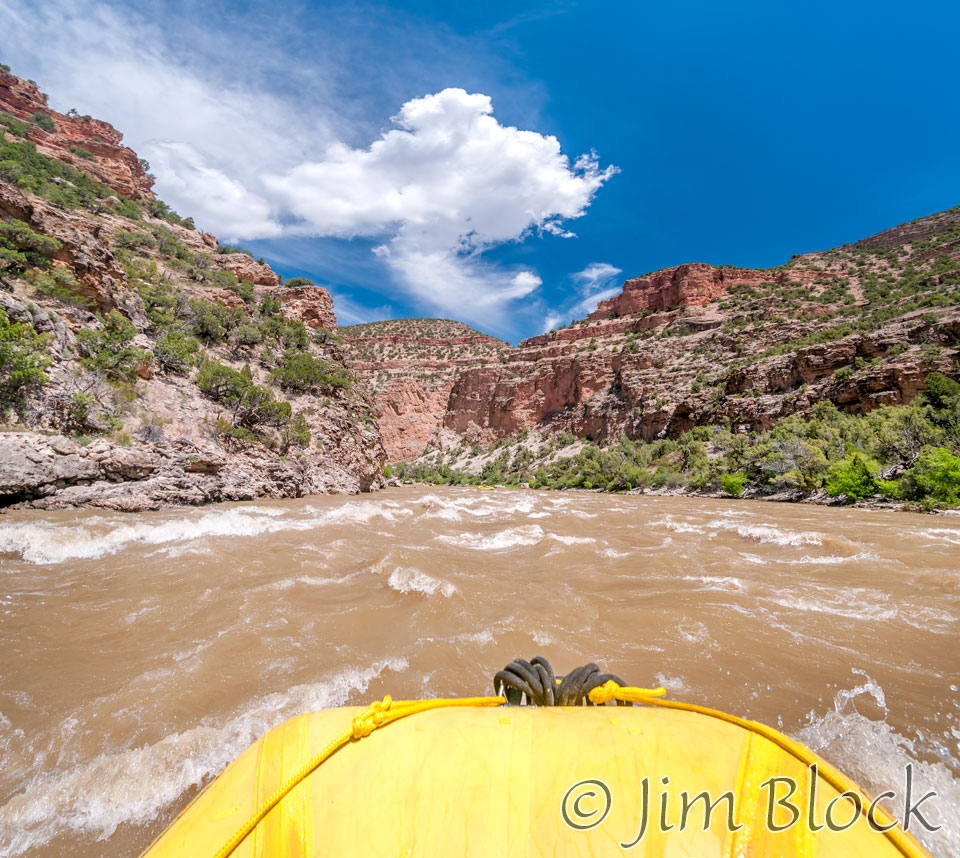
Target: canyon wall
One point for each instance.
(860, 326)
(155, 365)
(410, 367)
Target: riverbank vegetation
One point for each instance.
(907, 453)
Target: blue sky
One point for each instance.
(422, 158)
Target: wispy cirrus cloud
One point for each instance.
(595, 283)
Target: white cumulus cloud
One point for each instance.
(447, 183)
(216, 197)
(251, 159)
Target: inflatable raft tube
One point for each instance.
(472, 777)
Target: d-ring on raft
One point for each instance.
(563, 775)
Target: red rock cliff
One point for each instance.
(101, 153)
(698, 344)
(693, 285)
(410, 366)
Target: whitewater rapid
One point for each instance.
(143, 652)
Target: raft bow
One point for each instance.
(495, 776)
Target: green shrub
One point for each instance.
(130, 209)
(78, 412)
(244, 288)
(14, 125)
(82, 153)
(44, 121)
(843, 373)
(164, 305)
(296, 433)
(286, 333)
(178, 351)
(251, 405)
(246, 335)
(295, 282)
(734, 484)
(133, 240)
(159, 209)
(22, 248)
(23, 359)
(889, 489)
(941, 392)
(58, 283)
(213, 322)
(852, 477)
(269, 305)
(935, 475)
(109, 350)
(233, 248)
(301, 371)
(323, 336)
(169, 245)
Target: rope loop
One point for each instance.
(534, 683)
(604, 693)
(371, 718)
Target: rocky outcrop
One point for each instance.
(693, 285)
(311, 305)
(53, 472)
(90, 145)
(245, 267)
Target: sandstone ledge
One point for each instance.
(55, 472)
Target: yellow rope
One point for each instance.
(384, 711)
(377, 714)
(902, 840)
(610, 690)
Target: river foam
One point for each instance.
(133, 786)
(407, 580)
(44, 543)
(501, 540)
(871, 752)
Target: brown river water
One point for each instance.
(139, 654)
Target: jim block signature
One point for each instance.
(587, 803)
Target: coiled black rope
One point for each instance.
(533, 683)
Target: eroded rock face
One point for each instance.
(410, 366)
(108, 161)
(84, 248)
(409, 416)
(54, 472)
(699, 344)
(245, 267)
(693, 285)
(311, 305)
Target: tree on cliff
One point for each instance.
(23, 360)
(22, 248)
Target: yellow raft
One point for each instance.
(473, 777)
